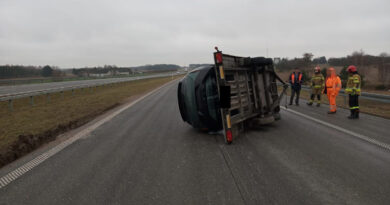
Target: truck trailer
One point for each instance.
(231, 94)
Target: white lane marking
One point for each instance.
(13, 175)
(357, 135)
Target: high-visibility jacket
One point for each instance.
(318, 81)
(292, 78)
(333, 85)
(353, 84)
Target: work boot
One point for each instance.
(352, 116)
(318, 104)
(331, 112)
(309, 103)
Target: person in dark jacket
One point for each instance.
(295, 80)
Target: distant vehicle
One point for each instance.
(233, 92)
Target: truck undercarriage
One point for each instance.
(233, 92)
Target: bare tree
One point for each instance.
(357, 57)
(383, 68)
(307, 57)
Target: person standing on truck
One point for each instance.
(353, 91)
(317, 86)
(333, 86)
(295, 80)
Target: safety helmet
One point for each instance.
(317, 69)
(351, 69)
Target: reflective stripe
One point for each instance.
(351, 89)
(355, 107)
(293, 77)
(228, 123)
(353, 85)
(221, 73)
(318, 86)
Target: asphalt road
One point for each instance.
(147, 155)
(13, 89)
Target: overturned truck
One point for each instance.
(234, 92)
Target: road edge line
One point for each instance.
(26, 167)
(354, 134)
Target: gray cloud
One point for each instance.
(72, 33)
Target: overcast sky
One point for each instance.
(73, 33)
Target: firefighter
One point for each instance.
(333, 86)
(295, 80)
(353, 91)
(317, 86)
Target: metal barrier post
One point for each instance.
(345, 100)
(32, 100)
(10, 105)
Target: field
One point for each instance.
(27, 127)
(34, 80)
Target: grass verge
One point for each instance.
(23, 81)
(366, 106)
(28, 127)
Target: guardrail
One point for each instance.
(364, 95)
(31, 94)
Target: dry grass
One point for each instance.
(366, 106)
(64, 112)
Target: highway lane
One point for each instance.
(368, 125)
(13, 89)
(147, 155)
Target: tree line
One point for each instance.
(115, 69)
(358, 58)
(19, 71)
